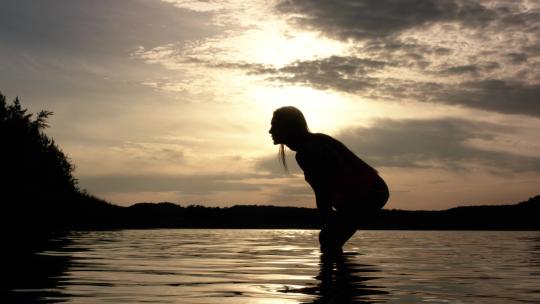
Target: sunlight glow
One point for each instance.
(259, 35)
(320, 108)
(271, 44)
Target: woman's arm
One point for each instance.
(324, 205)
(317, 175)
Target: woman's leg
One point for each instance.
(327, 236)
(350, 218)
(345, 233)
(335, 233)
(343, 223)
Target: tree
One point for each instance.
(34, 171)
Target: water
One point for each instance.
(283, 266)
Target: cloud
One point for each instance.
(366, 19)
(201, 184)
(517, 57)
(497, 95)
(505, 96)
(379, 19)
(366, 77)
(477, 54)
(471, 69)
(437, 143)
(348, 74)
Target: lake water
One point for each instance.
(282, 266)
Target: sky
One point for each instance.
(171, 100)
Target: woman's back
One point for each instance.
(346, 177)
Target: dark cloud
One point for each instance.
(344, 19)
(343, 65)
(404, 53)
(470, 69)
(359, 76)
(463, 69)
(442, 143)
(517, 57)
(505, 96)
(342, 73)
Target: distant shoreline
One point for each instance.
(518, 217)
(87, 213)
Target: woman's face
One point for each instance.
(277, 131)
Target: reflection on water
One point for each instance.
(31, 276)
(344, 281)
(278, 266)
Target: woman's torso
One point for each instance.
(347, 179)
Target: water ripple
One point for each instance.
(283, 266)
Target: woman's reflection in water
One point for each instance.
(345, 281)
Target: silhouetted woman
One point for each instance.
(347, 190)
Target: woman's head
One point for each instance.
(288, 128)
(288, 125)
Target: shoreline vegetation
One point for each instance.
(521, 216)
(40, 195)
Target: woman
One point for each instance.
(347, 190)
